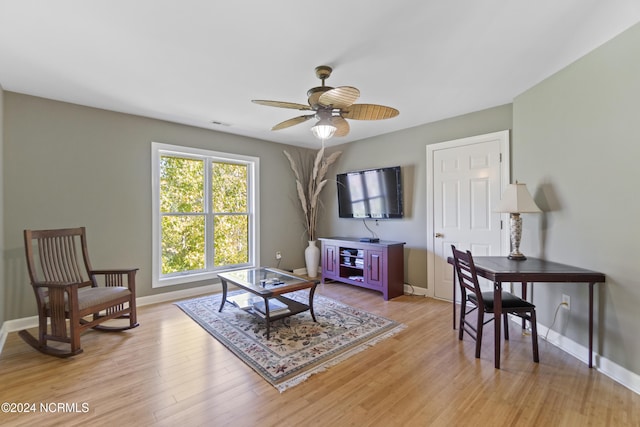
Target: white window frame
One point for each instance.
(253, 164)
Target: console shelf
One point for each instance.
(378, 266)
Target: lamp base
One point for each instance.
(516, 232)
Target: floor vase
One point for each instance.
(312, 258)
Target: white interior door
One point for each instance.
(467, 177)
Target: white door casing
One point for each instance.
(465, 180)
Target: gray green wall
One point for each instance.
(68, 165)
(2, 278)
(576, 142)
(408, 149)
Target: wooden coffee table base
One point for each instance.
(255, 281)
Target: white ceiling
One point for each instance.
(198, 61)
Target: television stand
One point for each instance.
(373, 265)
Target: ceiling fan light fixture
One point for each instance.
(323, 129)
(332, 105)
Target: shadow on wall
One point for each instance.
(415, 273)
(547, 200)
(408, 188)
(20, 301)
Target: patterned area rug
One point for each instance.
(298, 346)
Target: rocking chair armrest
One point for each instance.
(115, 271)
(60, 284)
(116, 277)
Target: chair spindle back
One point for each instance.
(466, 272)
(54, 255)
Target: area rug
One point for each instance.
(298, 347)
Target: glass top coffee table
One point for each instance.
(265, 293)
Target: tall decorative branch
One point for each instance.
(310, 180)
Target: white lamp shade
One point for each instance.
(516, 199)
(323, 129)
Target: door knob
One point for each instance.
(439, 235)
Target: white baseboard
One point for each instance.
(619, 374)
(16, 325)
(607, 367)
(20, 324)
(415, 290)
(174, 295)
(3, 335)
(32, 322)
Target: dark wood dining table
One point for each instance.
(500, 269)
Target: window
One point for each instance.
(204, 213)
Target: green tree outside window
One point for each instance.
(188, 216)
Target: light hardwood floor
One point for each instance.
(169, 371)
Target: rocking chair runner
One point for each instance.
(70, 295)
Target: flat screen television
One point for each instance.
(373, 193)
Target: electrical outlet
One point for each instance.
(278, 255)
(566, 301)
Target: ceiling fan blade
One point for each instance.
(369, 112)
(314, 95)
(281, 104)
(293, 122)
(342, 126)
(340, 97)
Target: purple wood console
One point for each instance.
(378, 266)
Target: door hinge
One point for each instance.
(500, 158)
(500, 224)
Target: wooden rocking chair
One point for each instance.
(70, 295)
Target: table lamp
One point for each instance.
(516, 200)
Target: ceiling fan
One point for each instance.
(331, 107)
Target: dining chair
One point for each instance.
(483, 302)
